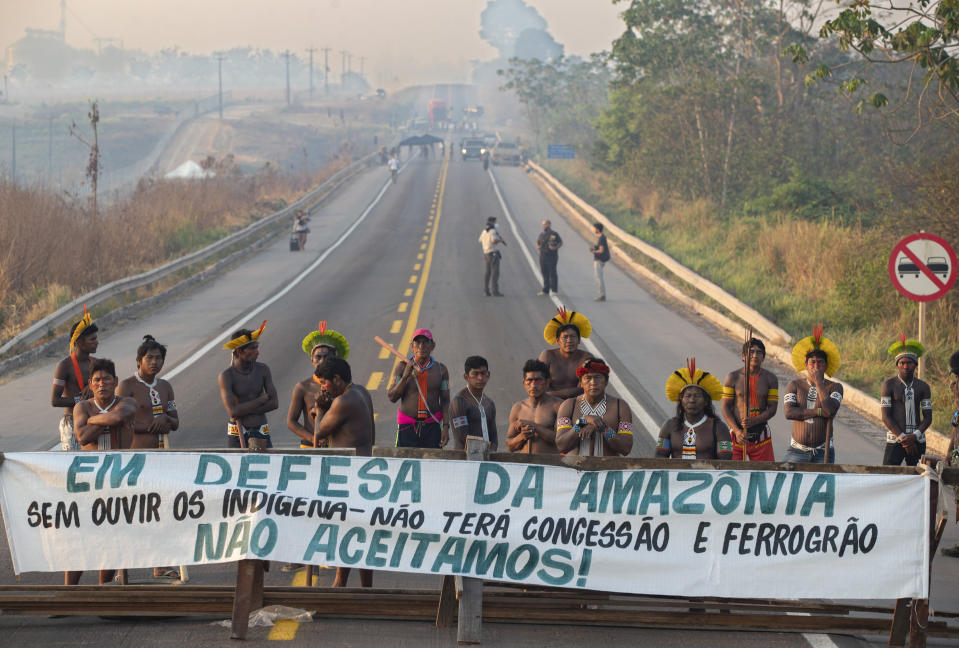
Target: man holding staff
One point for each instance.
(247, 392)
(812, 403)
(906, 406)
(347, 423)
(532, 422)
(421, 385)
(751, 437)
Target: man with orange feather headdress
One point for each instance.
(812, 402)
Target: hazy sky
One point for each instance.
(399, 38)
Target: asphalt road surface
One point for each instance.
(384, 259)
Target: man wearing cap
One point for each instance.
(321, 344)
(812, 403)
(489, 239)
(421, 385)
(72, 375)
(566, 330)
(594, 424)
(695, 432)
(247, 392)
(906, 406)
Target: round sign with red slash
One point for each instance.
(922, 267)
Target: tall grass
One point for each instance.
(52, 251)
(797, 273)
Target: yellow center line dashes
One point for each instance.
(397, 325)
(384, 354)
(403, 305)
(374, 382)
(413, 278)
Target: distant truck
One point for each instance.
(506, 153)
(437, 111)
(472, 147)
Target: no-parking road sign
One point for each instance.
(922, 267)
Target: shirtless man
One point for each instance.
(156, 413)
(421, 384)
(811, 404)
(472, 412)
(567, 329)
(906, 406)
(752, 435)
(103, 422)
(320, 344)
(347, 423)
(594, 424)
(532, 422)
(247, 392)
(695, 432)
(72, 375)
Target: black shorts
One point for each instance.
(894, 454)
(425, 434)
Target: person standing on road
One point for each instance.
(952, 454)
(103, 422)
(812, 403)
(347, 423)
(751, 438)
(600, 256)
(394, 165)
(695, 432)
(321, 345)
(566, 330)
(905, 403)
(594, 424)
(548, 243)
(301, 228)
(532, 422)
(156, 413)
(72, 374)
(472, 412)
(489, 239)
(421, 385)
(247, 392)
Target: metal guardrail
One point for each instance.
(733, 305)
(62, 315)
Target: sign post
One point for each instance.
(922, 267)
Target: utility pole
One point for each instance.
(6, 96)
(13, 164)
(219, 75)
(311, 50)
(362, 61)
(326, 70)
(286, 55)
(343, 54)
(93, 166)
(349, 64)
(50, 151)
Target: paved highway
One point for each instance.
(384, 259)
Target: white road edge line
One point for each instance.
(815, 640)
(296, 280)
(652, 428)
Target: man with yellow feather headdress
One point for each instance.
(566, 330)
(812, 402)
(695, 432)
(247, 392)
(72, 376)
(906, 406)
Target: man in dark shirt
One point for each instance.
(906, 406)
(600, 256)
(472, 412)
(548, 243)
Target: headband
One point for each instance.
(245, 339)
(592, 367)
(323, 336)
(816, 341)
(85, 322)
(565, 318)
(690, 376)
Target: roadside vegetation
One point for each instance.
(52, 250)
(770, 161)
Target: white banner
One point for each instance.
(679, 532)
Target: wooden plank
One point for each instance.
(447, 604)
(245, 596)
(469, 622)
(900, 624)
